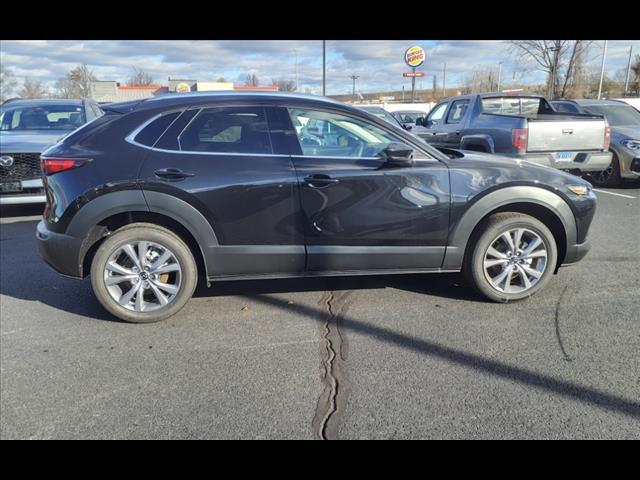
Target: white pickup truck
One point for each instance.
(521, 126)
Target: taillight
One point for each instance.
(519, 139)
(607, 137)
(51, 165)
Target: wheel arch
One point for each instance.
(478, 143)
(105, 214)
(540, 203)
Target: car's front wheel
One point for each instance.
(511, 256)
(143, 273)
(608, 178)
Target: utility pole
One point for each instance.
(444, 80)
(554, 68)
(626, 83)
(354, 78)
(604, 57)
(499, 74)
(324, 68)
(295, 52)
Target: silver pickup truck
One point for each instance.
(524, 127)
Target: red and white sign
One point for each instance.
(413, 74)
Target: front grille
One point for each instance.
(25, 166)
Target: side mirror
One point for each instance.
(420, 121)
(398, 155)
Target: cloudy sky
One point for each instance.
(378, 63)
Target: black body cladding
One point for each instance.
(274, 211)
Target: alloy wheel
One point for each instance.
(143, 276)
(515, 260)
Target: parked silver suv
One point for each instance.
(27, 128)
(624, 121)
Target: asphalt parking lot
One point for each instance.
(370, 357)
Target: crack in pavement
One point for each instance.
(334, 351)
(557, 325)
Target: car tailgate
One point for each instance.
(566, 135)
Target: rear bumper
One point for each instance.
(576, 252)
(582, 161)
(61, 252)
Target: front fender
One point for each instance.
(479, 209)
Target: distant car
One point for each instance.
(381, 113)
(624, 121)
(408, 117)
(28, 127)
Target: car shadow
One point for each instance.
(25, 276)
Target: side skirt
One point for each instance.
(344, 273)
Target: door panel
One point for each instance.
(385, 212)
(250, 199)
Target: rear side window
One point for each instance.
(149, 134)
(457, 111)
(228, 130)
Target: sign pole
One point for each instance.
(413, 86)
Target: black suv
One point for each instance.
(235, 185)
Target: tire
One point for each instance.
(608, 178)
(489, 234)
(177, 284)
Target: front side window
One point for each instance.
(458, 111)
(228, 130)
(329, 134)
(435, 117)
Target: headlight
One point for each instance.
(631, 144)
(579, 189)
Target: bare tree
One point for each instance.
(140, 78)
(559, 59)
(7, 83)
(284, 85)
(221, 80)
(634, 81)
(76, 84)
(481, 80)
(252, 80)
(33, 89)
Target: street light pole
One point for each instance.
(499, 74)
(444, 80)
(604, 57)
(626, 83)
(324, 68)
(354, 77)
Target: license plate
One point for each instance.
(11, 187)
(566, 156)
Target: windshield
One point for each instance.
(410, 117)
(383, 114)
(41, 117)
(528, 106)
(617, 115)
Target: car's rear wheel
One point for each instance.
(610, 177)
(511, 257)
(143, 273)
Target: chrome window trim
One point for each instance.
(130, 139)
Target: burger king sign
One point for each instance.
(414, 56)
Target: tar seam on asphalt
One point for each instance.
(333, 398)
(557, 325)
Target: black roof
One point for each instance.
(43, 101)
(197, 98)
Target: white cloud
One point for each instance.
(378, 62)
